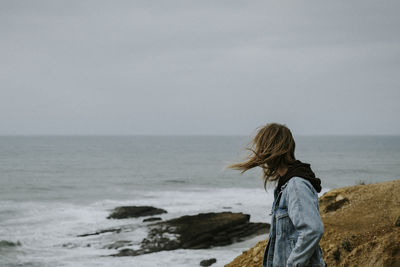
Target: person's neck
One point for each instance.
(282, 171)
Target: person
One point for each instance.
(296, 226)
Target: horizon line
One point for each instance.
(186, 135)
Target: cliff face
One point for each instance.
(362, 227)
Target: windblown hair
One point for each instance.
(272, 148)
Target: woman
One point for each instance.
(296, 226)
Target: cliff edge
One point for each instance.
(362, 228)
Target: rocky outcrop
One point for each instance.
(118, 244)
(360, 228)
(152, 219)
(199, 231)
(362, 232)
(332, 201)
(6, 243)
(125, 212)
(116, 230)
(208, 262)
(134, 212)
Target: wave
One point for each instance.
(34, 219)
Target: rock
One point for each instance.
(134, 212)
(337, 204)
(5, 243)
(152, 219)
(208, 262)
(330, 197)
(116, 230)
(118, 244)
(339, 197)
(69, 245)
(332, 200)
(199, 231)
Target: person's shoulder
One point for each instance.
(299, 183)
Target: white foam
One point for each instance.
(48, 231)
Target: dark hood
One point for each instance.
(303, 170)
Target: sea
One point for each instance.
(54, 188)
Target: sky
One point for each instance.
(199, 67)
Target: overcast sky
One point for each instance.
(199, 67)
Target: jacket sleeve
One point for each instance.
(304, 213)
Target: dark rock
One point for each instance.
(336, 205)
(227, 208)
(134, 212)
(199, 231)
(117, 230)
(69, 245)
(118, 244)
(152, 219)
(5, 243)
(208, 262)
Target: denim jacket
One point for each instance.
(296, 227)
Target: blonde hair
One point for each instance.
(272, 148)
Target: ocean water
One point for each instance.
(55, 188)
